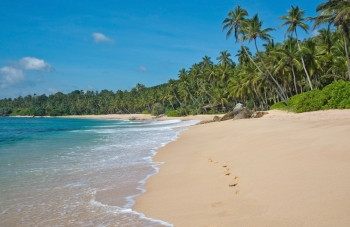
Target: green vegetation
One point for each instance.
(333, 96)
(300, 73)
(173, 113)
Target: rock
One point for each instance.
(258, 114)
(238, 107)
(243, 114)
(228, 116)
(216, 118)
(238, 112)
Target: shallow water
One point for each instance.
(77, 172)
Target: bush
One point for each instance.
(279, 106)
(309, 101)
(173, 113)
(333, 96)
(145, 112)
(338, 95)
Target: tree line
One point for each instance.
(276, 72)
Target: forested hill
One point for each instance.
(276, 72)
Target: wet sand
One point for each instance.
(283, 169)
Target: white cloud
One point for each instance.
(101, 38)
(30, 63)
(142, 68)
(10, 76)
(315, 33)
(14, 73)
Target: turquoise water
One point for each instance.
(77, 172)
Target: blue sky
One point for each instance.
(64, 45)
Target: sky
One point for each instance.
(64, 45)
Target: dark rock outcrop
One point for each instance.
(227, 116)
(238, 112)
(242, 114)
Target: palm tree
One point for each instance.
(234, 23)
(337, 13)
(206, 61)
(243, 59)
(325, 41)
(224, 58)
(311, 56)
(295, 19)
(338, 69)
(252, 30)
(287, 55)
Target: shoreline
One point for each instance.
(283, 169)
(200, 117)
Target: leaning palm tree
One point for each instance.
(252, 30)
(337, 13)
(287, 58)
(234, 23)
(295, 19)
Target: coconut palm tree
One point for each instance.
(243, 59)
(252, 31)
(311, 56)
(337, 13)
(224, 58)
(295, 19)
(287, 57)
(234, 23)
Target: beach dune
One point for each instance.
(283, 169)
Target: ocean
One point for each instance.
(78, 172)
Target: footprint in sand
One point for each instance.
(227, 171)
(216, 204)
(234, 183)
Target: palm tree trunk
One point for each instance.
(177, 99)
(193, 99)
(302, 60)
(294, 80)
(262, 73)
(171, 103)
(251, 59)
(268, 71)
(347, 55)
(258, 96)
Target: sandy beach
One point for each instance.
(202, 118)
(284, 169)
